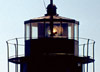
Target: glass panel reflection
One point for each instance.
(59, 30)
(27, 33)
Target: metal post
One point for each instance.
(16, 67)
(51, 2)
(72, 31)
(61, 28)
(83, 56)
(25, 32)
(51, 18)
(93, 58)
(8, 54)
(44, 28)
(87, 52)
(78, 31)
(16, 49)
(88, 48)
(83, 50)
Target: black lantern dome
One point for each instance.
(51, 10)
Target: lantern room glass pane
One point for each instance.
(27, 31)
(73, 31)
(34, 30)
(69, 32)
(59, 29)
(76, 32)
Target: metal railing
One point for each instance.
(16, 48)
(87, 50)
(15, 44)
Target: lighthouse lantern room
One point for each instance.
(51, 44)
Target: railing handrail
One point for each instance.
(16, 43)
(58, 37)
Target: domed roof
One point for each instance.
(50, 6)
(51, 10)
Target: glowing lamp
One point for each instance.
(57, 31)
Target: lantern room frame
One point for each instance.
(59, 19)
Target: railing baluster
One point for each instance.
(8, 54)
(87, 52)
(17, 54)
(15, 57)
(83, 56)
(17, 46)
(83, 50)
(93, 57)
